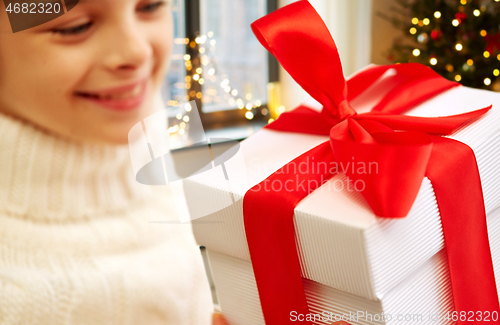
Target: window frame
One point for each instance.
(225, 118)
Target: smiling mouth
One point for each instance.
(136, 91)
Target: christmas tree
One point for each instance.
(459, 39)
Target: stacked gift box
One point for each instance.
(352, 260)
(354, 265)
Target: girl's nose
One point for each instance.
(127, 49)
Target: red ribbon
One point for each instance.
(299, 39)
(492, 43)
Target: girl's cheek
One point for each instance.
(163, 46)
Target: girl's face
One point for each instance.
(90, 74)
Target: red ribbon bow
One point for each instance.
(299, 39)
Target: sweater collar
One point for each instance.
(49, 178)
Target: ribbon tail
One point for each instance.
(268, 210)
(454, 174)
(434, 125)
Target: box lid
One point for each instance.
(341, 243)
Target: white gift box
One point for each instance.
(342, 245)
(424, 297)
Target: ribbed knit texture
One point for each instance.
(76, 242)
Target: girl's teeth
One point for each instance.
(136, 90)
(133, 93)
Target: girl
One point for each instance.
(76, 245)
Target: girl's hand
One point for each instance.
(218, 319)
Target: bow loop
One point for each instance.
(296, 29)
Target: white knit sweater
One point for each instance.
(76, 242)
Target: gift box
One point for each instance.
(359, 249)
(424, 297)
(343, 246)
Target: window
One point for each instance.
(219, 63)
(236, 71)
(174, 89)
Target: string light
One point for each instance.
(487, 81)
(459, 47)
(498, 56)
(433, 61)
(414, 20)
(496, 72)
(483, 33)
(470, 62)
(240, 104)
(210, 93)
(437, 14)
(413, 30)
(449, 67)
(476, 12)
(458, 77)
(416, 52)
(464, 2)
(426, 21)
(486, 54)
(455, 22)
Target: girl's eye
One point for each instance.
(73, 30)
(152, 7)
